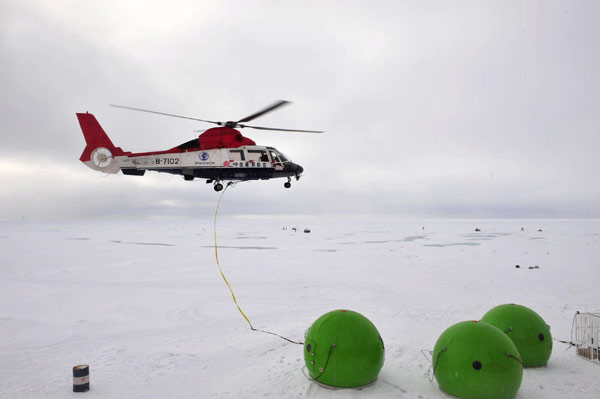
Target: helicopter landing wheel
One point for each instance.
(218, 187)
(288, 183)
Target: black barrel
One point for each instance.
(81, 378)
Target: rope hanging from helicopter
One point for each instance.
(227, 282)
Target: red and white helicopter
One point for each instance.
(219, 154)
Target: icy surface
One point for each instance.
(143, 302)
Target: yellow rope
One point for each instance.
(227, 282)
(217, 257)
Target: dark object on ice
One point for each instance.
(307, 230)
(294, 229)
(540, 230)
(517, 266)
(81, 378)
(477, 229)
(534, 267)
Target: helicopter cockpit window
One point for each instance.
(283, 157)
(275, 156)
(258, 156)
(237, 155)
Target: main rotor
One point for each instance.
(232, 124)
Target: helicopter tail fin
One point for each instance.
(95, 137)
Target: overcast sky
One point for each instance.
(464, 109)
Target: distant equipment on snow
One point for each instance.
(307, 230)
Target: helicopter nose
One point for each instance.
(293, 169)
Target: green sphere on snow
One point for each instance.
(343, 349)
(529, 332)
(474, 360)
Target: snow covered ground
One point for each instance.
(143, 303)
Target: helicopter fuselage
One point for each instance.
(241, 163)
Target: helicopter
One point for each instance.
(219, 154)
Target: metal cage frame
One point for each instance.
(585, 334)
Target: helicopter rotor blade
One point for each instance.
(232, 125)
(270, 108)
(163, 113)
(282, 130)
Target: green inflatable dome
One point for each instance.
(343, 349)
(474, 360)
(526, 329)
